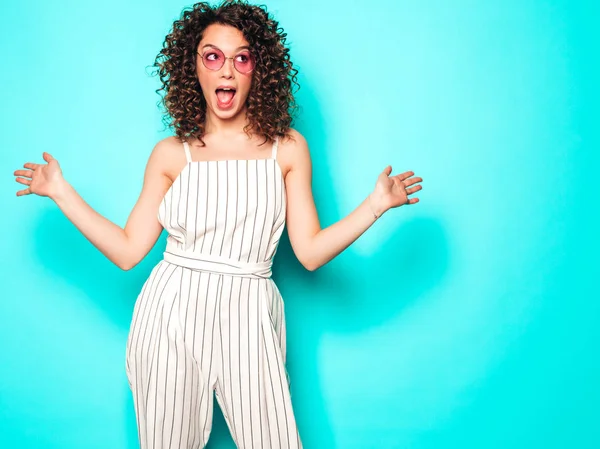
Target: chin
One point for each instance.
(228, 114)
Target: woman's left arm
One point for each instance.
(313, 246)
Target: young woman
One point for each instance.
(210, 318)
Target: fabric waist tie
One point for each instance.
(216, 264)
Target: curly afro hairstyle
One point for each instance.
(270, 103)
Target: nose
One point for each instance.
(228, 68)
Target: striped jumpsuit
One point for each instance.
(209, 317)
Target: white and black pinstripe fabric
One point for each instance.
(209, 317)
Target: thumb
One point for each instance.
(387, 170)
(47, 156)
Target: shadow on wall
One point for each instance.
(350, 294)
(407, 265)
(351, 299)
(67, 254)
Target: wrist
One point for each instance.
(60, 191)
(376, 205)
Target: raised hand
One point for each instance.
(41, 179)
(393, 191)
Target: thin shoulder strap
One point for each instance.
(186, 147)
(275, 144)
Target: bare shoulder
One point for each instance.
(168, 157)
(294, 151)
(168, 148)
(293, 140)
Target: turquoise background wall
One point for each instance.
(468, 321)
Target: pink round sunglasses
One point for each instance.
(214, 59)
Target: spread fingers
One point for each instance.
(26, 173)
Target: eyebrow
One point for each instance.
(243, 47)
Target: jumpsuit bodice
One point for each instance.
(225, 216)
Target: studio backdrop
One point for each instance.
(469, 320)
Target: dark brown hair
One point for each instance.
(270, 102)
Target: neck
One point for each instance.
(233, 125)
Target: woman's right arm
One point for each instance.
(124, 247)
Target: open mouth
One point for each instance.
(225, 97)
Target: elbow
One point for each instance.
(127, 264)
(310, 265)
(308, 257)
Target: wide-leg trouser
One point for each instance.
(195, 332)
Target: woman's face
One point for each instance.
(225, 88)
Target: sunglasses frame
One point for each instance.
(225, 58)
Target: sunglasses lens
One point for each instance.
(213, 59)
(244, 62)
